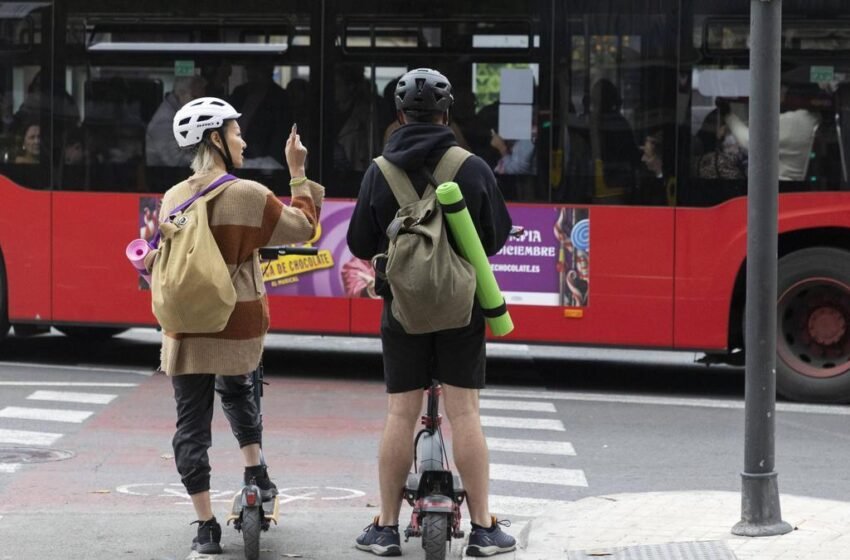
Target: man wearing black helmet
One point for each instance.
(456, 357)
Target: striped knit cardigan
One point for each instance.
(243, 218)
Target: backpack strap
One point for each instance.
(450, 164)
(210, 192)
(398, 181)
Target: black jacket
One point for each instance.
(414, 147)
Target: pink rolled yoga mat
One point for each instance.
(136, 252)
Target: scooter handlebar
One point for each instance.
(271, 253)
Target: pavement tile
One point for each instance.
(661, 517)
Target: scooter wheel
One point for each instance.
(435, 532)
(251, 532)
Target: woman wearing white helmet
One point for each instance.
(243, 218)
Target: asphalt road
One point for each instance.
(562, 424)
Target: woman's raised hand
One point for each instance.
(296, 153)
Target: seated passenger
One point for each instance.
(718, 154)
(160, 149)
(30, 145)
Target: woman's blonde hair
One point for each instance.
(204, 160)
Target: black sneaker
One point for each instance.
(208, 540)
(490, 541)
(383, 542)
(260, 474)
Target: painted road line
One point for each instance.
(77, 368)
(536, 447)
(48, 414)
(23, 437)
(521, 507)
(517, 405)
(840, 410)
(9, 468)
(63, 396)
(522, 423)
(63, 384)
(538, 475)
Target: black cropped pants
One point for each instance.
(194, 395)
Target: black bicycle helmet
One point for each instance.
(422, 92)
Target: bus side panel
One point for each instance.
(711, 244)
(96, 283)
(630, 295)
(25, 244)
(309, 314)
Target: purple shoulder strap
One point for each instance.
(154, 243)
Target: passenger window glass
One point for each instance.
(25, 91)
(813, 121)
(616, 142)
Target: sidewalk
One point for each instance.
(683, 526)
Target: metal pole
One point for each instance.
(760, 512)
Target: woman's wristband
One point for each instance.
(295, 181)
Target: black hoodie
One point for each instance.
(414, 147)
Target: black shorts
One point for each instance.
(455, 356)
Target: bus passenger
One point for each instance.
(456, 357)
(160, 149)
(263, 105)
(243, 218)
(30, 145)
(612, 142)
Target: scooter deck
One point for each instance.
(271, 509)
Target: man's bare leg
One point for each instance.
(203, 506)
(396, 453)
(469, 449)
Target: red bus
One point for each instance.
(619, 124)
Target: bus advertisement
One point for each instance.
(614, 128)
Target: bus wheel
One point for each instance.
(813, 325)
(91, 333)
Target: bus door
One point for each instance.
(129, 77)
(497, 57)
(613, 174)
(29, 96)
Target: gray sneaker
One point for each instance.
(381, 542)
(490, 541)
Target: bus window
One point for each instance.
(492, 55)
(813, 117)
(133, 77)
(25, 91)
(617, 96)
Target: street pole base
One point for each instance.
(760, 511)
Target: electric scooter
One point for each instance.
(432, 490)
(249, 513)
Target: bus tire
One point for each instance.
(813, 325)
(4, 302)
(91, 333)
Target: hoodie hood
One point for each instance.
(416, 145)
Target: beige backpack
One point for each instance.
(191, 288)
(433, 287)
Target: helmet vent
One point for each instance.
(420, 82)
(218, 103)
(204, 118)
(184, 121)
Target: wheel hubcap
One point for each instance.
(812, 336)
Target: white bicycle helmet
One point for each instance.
(198, 116)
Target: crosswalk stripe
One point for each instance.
(23, 437)
(9, 468)
(48, 414)
(67, 396)
(522, 423)
(539, 475)
(521, 507)
(63, 384)
(517, 405)
(531, 446)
